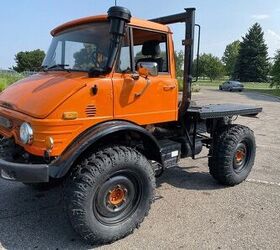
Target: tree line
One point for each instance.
(246, 61)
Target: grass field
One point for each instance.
(257, 87)
(7, 79)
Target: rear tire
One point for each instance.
(233, 154)
(109, 194)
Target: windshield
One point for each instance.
(82, 48)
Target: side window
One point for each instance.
(151, 47)
(123, 64)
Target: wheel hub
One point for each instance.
(117, 195)
(240, 155)
(117, 198)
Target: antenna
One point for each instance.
(115, 2)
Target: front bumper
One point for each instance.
(28, 173)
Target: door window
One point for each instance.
(151, 47)
(148, 47)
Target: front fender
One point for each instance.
(60, 167)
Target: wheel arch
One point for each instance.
(101, 135)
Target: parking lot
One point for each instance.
(191, 211)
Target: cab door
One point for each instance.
(140, 99)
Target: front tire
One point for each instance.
(233, 154)
(109, 194)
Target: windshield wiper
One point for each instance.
(46, 68)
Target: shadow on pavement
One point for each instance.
(182, 178)
(35, 220)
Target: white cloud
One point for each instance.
(274, 34)
(273, 41)
(260, 16)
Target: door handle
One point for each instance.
(169, 87)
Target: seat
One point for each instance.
(152, 50)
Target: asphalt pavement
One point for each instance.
(191, 210)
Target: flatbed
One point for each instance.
(212, 111)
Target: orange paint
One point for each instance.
(43, 99)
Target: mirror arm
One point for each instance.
(135, 76)
(143, 91)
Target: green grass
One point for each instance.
(8, 78)
(251, 86)
(274, 92)
(248, 85)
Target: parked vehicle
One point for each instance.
(232, 86)
(103, 117)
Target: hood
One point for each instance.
(40, 94)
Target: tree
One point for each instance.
(179, 59)
(275, 72)
(252, 63)
(84, 58)
(29, 60)
(230, 57)
(209, 66)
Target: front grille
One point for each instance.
(91, 110)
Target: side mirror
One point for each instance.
(146, 69)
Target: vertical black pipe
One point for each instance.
(119, 18)
(188, 61)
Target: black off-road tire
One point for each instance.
(223, 165)
(86, 194)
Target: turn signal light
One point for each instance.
(49, 143)
(70, 115)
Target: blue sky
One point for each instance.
(25, 24)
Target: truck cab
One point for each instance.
(65, 93)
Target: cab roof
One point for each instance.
(91, 19)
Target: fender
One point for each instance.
(60, 167)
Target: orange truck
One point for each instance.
(105, 117)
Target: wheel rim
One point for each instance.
(241, 157)
(117, 198)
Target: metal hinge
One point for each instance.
(187, 42)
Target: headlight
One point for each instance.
(26, 133)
